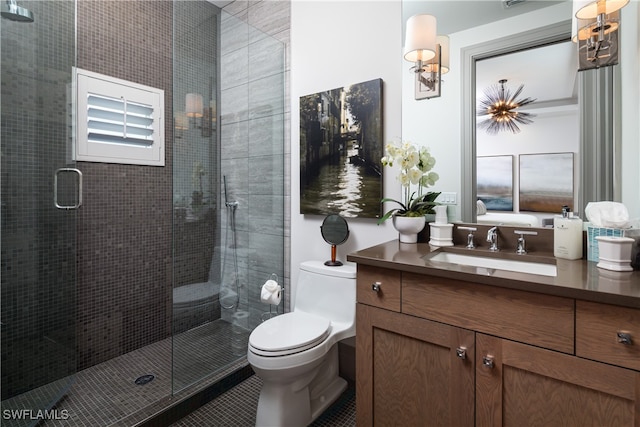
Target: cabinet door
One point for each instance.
(411, 371)
(521, 385)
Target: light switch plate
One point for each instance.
(448, 198)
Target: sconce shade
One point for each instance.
(181, 121)
(577, 5)
(420, 38)
(592, 9)
(443, 60)
(193, 105)
(443, 41)
(593, 29)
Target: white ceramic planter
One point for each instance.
(615, 253)
(408, 227)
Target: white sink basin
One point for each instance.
(528, 267)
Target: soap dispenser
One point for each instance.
(567, 235)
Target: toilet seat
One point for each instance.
(289, 333)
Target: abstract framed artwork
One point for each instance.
(495, 182)
(546, 182)
(340, 150)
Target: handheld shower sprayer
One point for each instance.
(231, 219)
(233, 204)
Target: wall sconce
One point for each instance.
(595, 29)
(194, 109)
(429, 52)
(180, 122)
(193, 105)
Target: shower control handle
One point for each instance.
(78, 202)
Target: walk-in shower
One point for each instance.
(99, 323)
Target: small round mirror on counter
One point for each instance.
(335, 231)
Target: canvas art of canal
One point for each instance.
(340, 150)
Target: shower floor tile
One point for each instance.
(107, 395)
(237, 407)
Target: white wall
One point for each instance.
(333, 44)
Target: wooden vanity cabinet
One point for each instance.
(455, 353)
(412, 371)
(523, 385)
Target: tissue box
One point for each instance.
(593, 232)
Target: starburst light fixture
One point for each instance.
(501, 107)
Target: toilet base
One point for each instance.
(302, 401)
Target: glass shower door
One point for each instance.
(40, 195)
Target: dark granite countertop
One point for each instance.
(578, 279)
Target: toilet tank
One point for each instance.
(327, 291)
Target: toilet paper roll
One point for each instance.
(271, 292)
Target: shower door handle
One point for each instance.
(78, 202)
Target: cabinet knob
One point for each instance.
(376, 286)
(461, 352)
(624, 338)
(488, 361)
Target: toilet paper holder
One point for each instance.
(269, 314)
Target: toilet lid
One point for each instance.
(289, 333)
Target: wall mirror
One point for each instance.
(525, 172)
(480, 49)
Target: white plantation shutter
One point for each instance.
(118, 121)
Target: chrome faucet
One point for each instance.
(521, 248)
(470, 242)
(492, 238)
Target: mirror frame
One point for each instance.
(326, 224)
(598, 97)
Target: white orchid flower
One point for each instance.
(415, 164)
(414, 176)
(430, 179)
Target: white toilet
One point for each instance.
(296, 354)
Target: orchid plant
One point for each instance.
(415, 176)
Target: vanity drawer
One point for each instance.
(597, 329)
(541, 320)
(379, 287)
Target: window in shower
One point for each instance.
(118, 121)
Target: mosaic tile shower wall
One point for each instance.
(124, 227)
(196, 160)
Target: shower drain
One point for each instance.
(144, 379)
